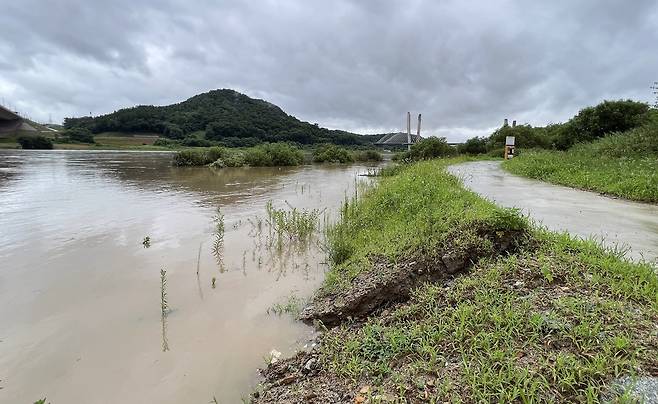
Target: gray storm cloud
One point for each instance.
(354, 65)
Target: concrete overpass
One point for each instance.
(12, 122)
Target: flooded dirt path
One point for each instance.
(80, 295)
(618, 223)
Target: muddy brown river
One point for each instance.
(80, 295)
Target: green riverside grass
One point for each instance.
(559, 320)
(423, 210)
(624, 165)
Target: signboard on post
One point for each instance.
(509, 147)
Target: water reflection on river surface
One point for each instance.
(80, 294)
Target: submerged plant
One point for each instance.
(164, 307)
(292, 306)
(294, 224)
(163, 292)
(218, 243)
(198, 260)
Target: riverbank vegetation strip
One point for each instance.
(270, 155)
(266, 155)
(621, 164)
(547, 318)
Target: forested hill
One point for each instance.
(219, 115)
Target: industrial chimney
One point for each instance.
(418, 131)
(408, 130)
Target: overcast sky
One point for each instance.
(354, 65)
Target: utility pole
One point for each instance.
(654, 89)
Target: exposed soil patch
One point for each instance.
(300, 379)
(387, 283)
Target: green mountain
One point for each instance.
(220, 115)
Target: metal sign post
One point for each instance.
(509, 147)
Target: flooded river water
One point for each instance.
(80, 295)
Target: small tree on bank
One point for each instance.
(35, 142)
(81, 135)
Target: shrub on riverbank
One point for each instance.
(589, 124)
(368, 155)
(266, 155)
(622, 164)
(80, 135)
(273, 155)
(531, 316)
(198, 157)
(330, 153)
(595, 122)
(35, 142)
(427, 149)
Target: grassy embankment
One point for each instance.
(553, 319)
(104, 141)
(622, 164)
